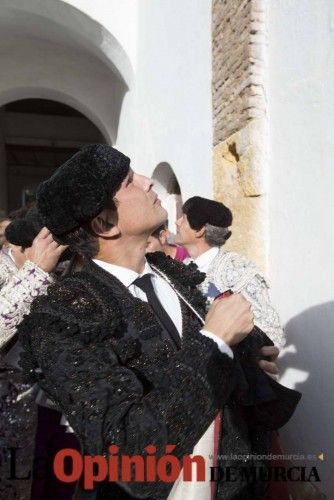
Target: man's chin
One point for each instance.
(163, 215)
(164, 212)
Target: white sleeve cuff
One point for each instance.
(222, 346)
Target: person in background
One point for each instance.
(203, 229)
(36, 256)
(158, 242)
(4, 222)
(7, 263)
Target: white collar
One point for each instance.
(204, 260)
(125, 275)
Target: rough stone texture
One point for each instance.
(239, 64)
(239, 185)
(240, 122)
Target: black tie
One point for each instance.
(146, 285)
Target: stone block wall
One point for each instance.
(240, 121)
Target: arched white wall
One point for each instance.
(18, 93)
(118, 17)
(164, 178)
(141, 73)
(52, 50)
(96, 28)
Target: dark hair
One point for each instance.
(162, 227)
(81, 240)
(18, 214)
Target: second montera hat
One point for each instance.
(81, 187)
(23, 230)
(201, 211)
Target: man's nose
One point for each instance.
(143, 182)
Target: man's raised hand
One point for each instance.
(230, 318)
(45, 251)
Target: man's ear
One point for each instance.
(200, 232)
(163, 237)
(105, 224)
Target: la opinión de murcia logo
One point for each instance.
(151, 467)
(166, 468)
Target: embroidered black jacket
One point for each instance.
(101, 355)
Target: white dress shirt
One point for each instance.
(203, 261)
(164, 292)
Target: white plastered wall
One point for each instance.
(173, 117)
(53, 50)
(301, 105)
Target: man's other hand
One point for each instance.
(270, 367)
(231, 319)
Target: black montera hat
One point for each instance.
(201, 211)
(23, 230)
(80, 188)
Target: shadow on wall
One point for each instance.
(307, 364)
